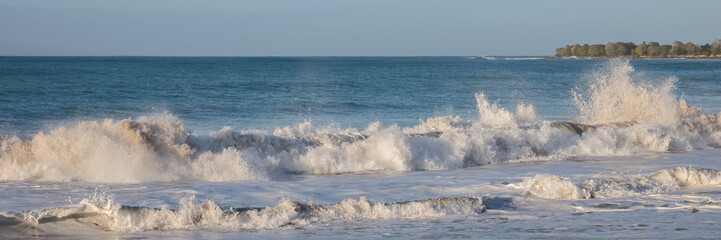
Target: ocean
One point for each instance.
(359, 147)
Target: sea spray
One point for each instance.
(614, 94)
(490, 115)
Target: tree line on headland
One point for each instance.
(643, 50)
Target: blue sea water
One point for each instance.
(350, 147)
(38, 93)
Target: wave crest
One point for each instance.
(664, 180)
(103, 212)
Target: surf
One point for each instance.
(102, 212)
(621, 114)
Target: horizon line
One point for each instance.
(271, 56)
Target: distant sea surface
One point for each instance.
(348, 147)
(38, 93)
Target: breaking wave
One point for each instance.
(668, 179)
(104, 213)
(613, 95)
(621, 116)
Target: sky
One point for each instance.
(342, 27)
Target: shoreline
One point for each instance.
(643, 57)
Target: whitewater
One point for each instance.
(636, 158)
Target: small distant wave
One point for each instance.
(621, 116)
(104, 213)
(488, 57)
(522, 58)
(668, 179)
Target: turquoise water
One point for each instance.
(39, 93)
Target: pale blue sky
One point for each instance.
(342, 28)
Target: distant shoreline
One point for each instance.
(641, 57)
(652, 50)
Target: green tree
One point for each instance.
(576, 50)
(654, 49)
(665, 50)
(596, 50)
(621, 50)
(562, 52)
(677, 48)
(584, 50)
(641, 49)
(610, 49)
(705, 49)
(617, 49)
(716, 47)
(630, 46)
(691, 49)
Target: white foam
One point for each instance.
(550, 186)
(103, 212)
(491, 115)
(147, 149)
(668, 179)
(386, 149)
(525, 114)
